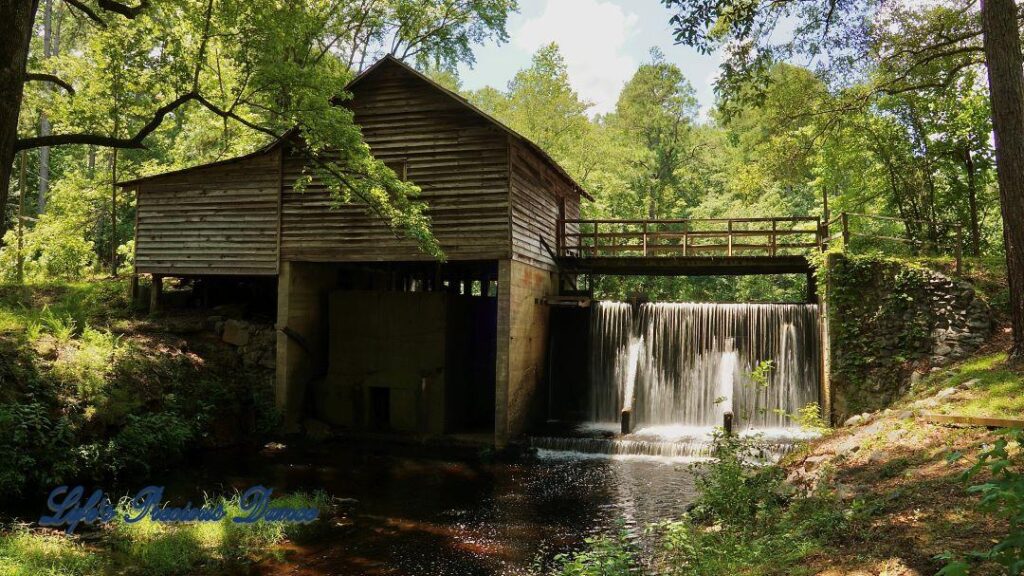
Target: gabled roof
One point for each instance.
(391, 60)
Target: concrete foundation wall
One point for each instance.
(301, 334)
(522, 346)
(391, 342)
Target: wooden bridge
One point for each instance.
(690, 247)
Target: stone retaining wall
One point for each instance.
(889, 323)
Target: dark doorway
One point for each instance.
(380, 408)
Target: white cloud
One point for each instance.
(592, 36)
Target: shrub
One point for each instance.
(1002, 495)
(607, 555)
(735, 489)
(147, 438)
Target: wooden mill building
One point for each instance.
(371, 332)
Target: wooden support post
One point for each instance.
(594, 247)
(625, 424)
(775, 236)
(727, 423)
(730, 237)
(645, 238)
(560, 235)
(686, 237)
(134, 291)
(845, 218)
(156, 292)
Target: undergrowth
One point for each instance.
(84, 397)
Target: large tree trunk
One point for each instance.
(1006, 90)
(17, 17)
(44, 120)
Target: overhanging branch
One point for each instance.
(51, 78)
(135, 141)
(85, 9)
(122, 9)
(129, 12)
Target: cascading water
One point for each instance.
(679, 367)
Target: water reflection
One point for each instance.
(420, 513)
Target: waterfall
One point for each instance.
(686, 364)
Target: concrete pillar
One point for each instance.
(522, 347)
(302, 290)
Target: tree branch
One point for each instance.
(129, 12)
(135, 141)
(51, 78)
(85, 9)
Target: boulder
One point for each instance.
(236, 332)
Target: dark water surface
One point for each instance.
(418, 511)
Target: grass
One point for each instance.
(27, 553)
(160, 549)
(996, 388)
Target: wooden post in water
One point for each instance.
(727, 423)
(625, 422)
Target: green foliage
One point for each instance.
(735, 489)
(1002, 494)
(607, 555)
(79, 399)
(761, 375)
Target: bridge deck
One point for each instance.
(685, 265)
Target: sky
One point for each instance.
(603, 42)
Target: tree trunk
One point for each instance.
(17, 17)
(44, 120)
(113, 212)
(972, 202)
(1006, 91)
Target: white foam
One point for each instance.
(546, 454)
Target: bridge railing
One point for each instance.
(690, 237)
(888, 234)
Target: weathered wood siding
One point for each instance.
(457, 157)
(536, 191)
(219, 219)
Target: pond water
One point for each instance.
(421, 512)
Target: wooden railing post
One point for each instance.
(775, 236)
(645, 238)
(686, 236)
(594, 247)
(730, 237)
